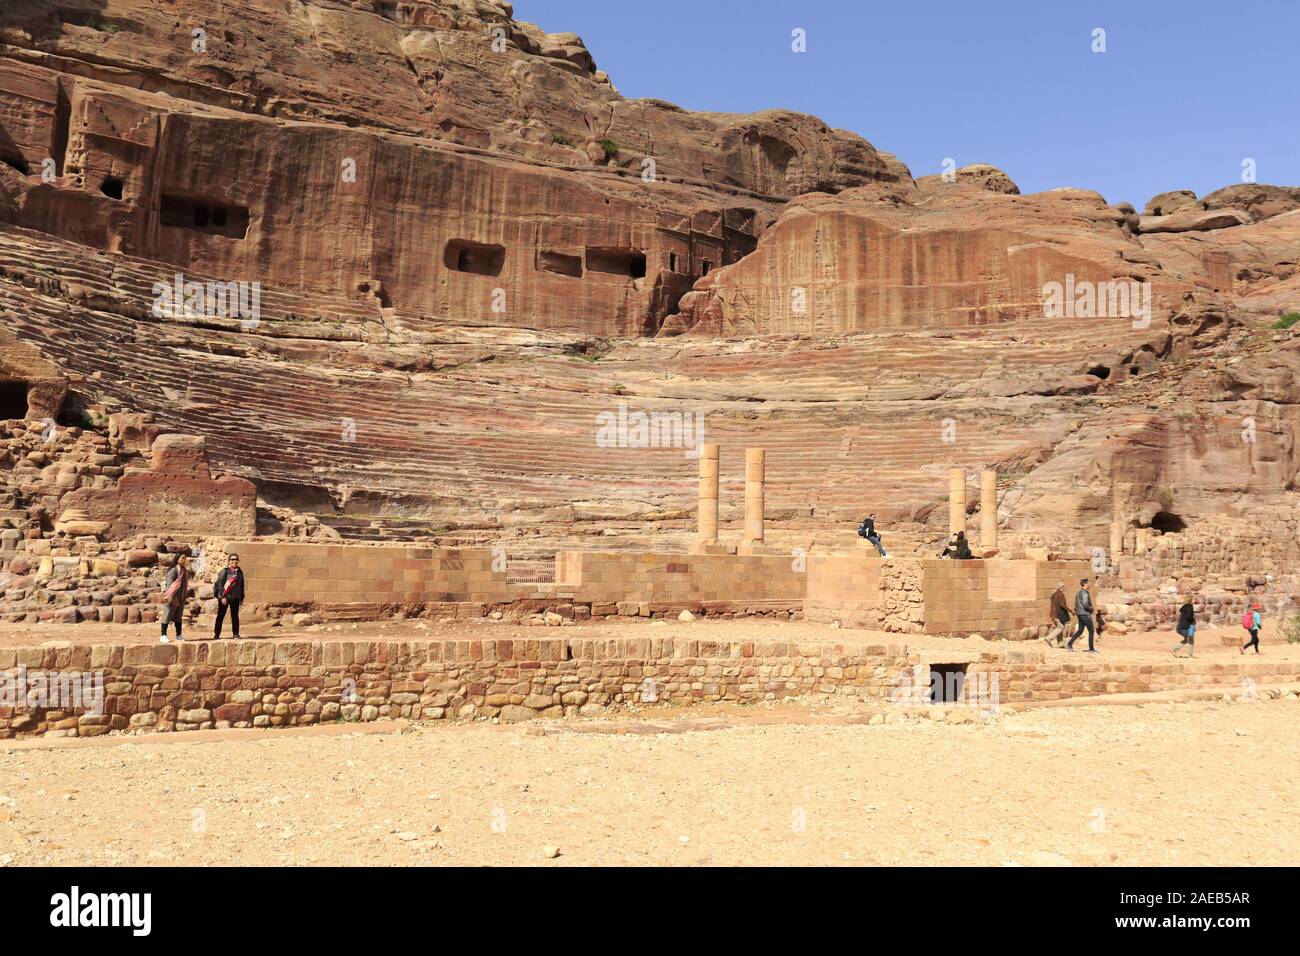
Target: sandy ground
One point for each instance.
(1164, 783)
(1213, 643)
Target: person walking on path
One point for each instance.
(1186, 628)
(1083, 610)
(229, 590)
(1251, 622)
(868, 530)
(1059, 616)
(175, 587)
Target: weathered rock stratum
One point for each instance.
(435, 246)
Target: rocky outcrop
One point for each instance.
(873, 258)
(31, 386)
(1257, 200)
(977, 174)
(1175, 200)
(435, 157)
(178, 496)
(1194, 220)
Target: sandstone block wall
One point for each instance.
(1003, 597)
(689, 578)
(928, 595)
(282, 573)
(847, 588)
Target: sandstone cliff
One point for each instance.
(467, 246)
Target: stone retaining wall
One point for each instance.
(168, 687)
(996, 597)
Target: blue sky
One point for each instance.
(1186, 90)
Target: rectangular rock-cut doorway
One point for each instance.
(947, 683)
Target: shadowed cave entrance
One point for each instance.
(1167, 522)
(13, 399)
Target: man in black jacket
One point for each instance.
(1083, 610)
(229, 591)
(868, 530)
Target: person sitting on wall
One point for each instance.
(958, 548)
(868, 530)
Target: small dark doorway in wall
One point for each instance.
(111, 187)
(1167, 522)
(13, 399)
(947, 683)
(478, 258)
(705, 266)
(203, 215)
(625, 262)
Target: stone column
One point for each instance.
(1116, 540)
(708, 516)
(754, 467)
(956, 500)
(988, 508)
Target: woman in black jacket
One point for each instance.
(1186, 628)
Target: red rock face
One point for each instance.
(947, 256)
(178, 496)
(408, 157)
(467, 246)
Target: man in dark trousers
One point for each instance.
(868, 530)
(230, 594)
(1083, 610)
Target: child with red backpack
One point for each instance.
(1251, 622)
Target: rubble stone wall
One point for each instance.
(169, 687)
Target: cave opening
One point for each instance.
(203, 215)
(111, 187)
(16, 162)
(477, 258)
(1101, 371)
(13, 399)
(1166, 522)
(621, 262)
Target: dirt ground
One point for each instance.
(1191, 783)
(1220, 643)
